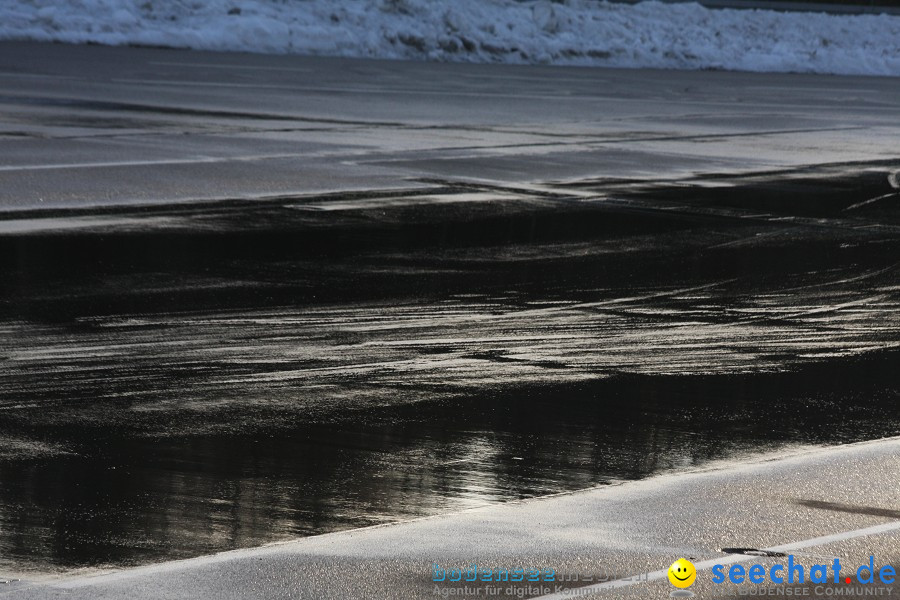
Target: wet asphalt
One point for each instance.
(381, 291)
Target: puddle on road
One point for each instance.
(176, 382)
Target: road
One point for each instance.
(87, 126)
(798, 502)
(247, 299)
(833, 8)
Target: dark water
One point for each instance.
(179, 381)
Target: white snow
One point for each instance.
(570, 32)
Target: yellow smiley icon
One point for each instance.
(682, 573)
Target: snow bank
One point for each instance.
(573, 32)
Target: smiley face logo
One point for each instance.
(682, 573)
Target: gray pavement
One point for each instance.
(816, 504)
(84, 126)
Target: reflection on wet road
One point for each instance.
(184, 380)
